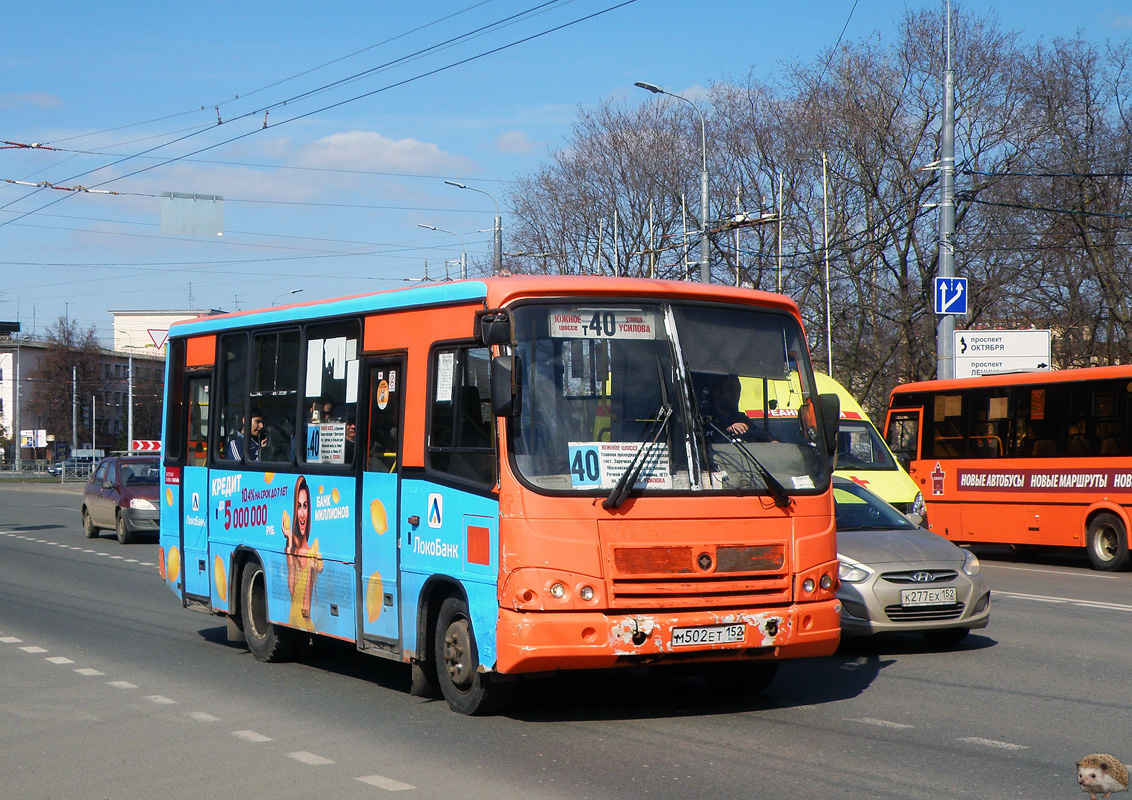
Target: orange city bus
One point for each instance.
(491, 478)
(1027, 459)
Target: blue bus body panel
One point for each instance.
(450, 520)
(381, 596)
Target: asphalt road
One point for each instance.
(109, 689)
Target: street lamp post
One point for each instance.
(276, 298)
(705, 263)
(463, 251)
(497, 266)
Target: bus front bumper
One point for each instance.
(547, 641)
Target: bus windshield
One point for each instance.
(676, 397)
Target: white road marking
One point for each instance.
(10, 640)
(304, 757)
(1041, 598)
(880, 723)
(60, 660)
(1067, 571)
(201, 716)
(381, 782)
(90, 673)
(251, 736)
(161, 700)
(122, 684)
(994, 743)
(34, 649)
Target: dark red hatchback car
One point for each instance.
(122, 494)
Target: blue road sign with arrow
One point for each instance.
(951, 295)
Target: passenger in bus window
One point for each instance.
(320, 409)
(247, 441)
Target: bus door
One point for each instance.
(380, 500)
(194, 492)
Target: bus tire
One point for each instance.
(89, 528)
(125, 535)
(1107, 543)
(266, 640)
(739, 677)
(456, 660)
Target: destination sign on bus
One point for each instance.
(602, 323)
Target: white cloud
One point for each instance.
(367, 150)
(38, 99)
(516, 142)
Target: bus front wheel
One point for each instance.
(266, 640)
(1107, 543)
(456, 659)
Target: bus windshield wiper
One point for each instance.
(629, 477)
(776, 489)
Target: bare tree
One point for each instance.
(71, 361)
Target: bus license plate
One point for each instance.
(709, 634)
(928, 597)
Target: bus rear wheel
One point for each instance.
(456, 659)
(266, 640)
(1107, 543)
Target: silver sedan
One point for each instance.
(897, 576)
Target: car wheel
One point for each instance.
(1107, 543)
(456, 660)
(740, 677)
(89, 528)
(266, 640)
(947, 636)
(125, 535)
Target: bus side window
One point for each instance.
(461, 437)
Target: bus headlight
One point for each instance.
(557, 591)
(586, 593)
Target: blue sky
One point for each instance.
(327, 199)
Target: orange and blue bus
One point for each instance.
(493, 478)
(1039, 459)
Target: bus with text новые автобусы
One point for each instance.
(1037, 459)
(500, 477)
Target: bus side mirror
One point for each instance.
(506, 390)
(831, 419)
(493, 326)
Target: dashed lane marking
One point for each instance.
(201, 716)
(1042, 598)
(161, 700)
(33, 649)
(303, 757)
(122, 684)
(251, 736)
(390, 785)
(993, 743)
(89, 672)
(881, 723)
(60, 660)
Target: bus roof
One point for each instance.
(493, 292)
(1017, 379)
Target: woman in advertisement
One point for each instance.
(303, 559)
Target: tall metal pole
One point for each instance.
(778, 285)
(130, 411)
(74, 409)
(705, 244)
(16, 419)
(945, 331)
(825, 248)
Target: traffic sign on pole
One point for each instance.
(951, 296)
(989, 351)
(145, 445)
